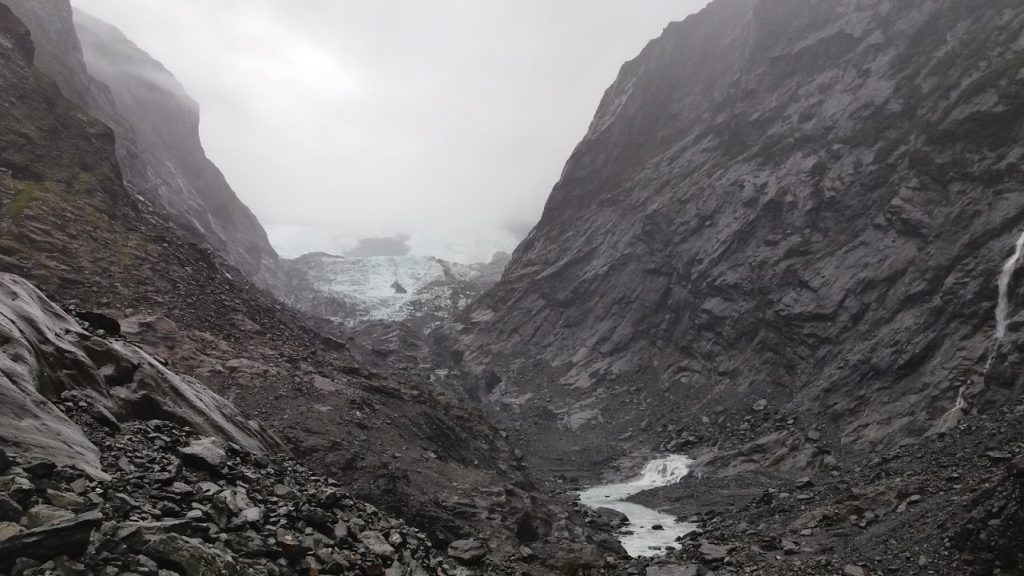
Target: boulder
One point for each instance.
(10, 511)
(467, 551)
(207, 453)
(65, 500)
(376, 543)
(289, 545)
(40, 469)
(189, 557)
(17, 488)
(614, 518)
(68, 538)
(44, 515)
(714, 552)
(99, 321)
(8, 529)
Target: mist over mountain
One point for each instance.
(447, 120)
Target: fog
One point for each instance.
(447, 120)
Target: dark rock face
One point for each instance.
(157, 128)
(806, 203)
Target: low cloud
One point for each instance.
(388, 246)
(368, 118)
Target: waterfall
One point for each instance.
(664, 471)
(1003, 306)
(642, 538)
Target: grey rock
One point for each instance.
(467, 551)
(189, 557)
(252, 515)
(614, 518)
(10, 511)
(714, 552)
(43, 515)
(674, 570)
(17, 488)
(66, 500)
(854, 570)
(8, 529)
(68, 538)
(40, 469)
(341, 531)
(376, 543)
(206, 453)
(999, 456)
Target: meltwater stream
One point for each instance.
(644, 540)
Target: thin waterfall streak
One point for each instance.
(1003, 306)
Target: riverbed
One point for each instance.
(641, 537)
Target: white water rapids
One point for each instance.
(1003, 306)
(644, 540)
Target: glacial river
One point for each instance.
(644, 540)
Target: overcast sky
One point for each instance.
(448, 118)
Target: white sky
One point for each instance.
(449, 118)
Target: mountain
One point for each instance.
(71, 227)
(778, 248)
(354, 290)
(800, 201)
(157, 128)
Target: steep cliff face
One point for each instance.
(157, 128)
(161, 152)
(798, 201)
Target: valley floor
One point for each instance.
(946, 504)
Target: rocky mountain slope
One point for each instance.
(69, 225)
(351, 291)
(47, 356)
(778, 248)
(175, 503)
(796, 202)
(157, 128)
